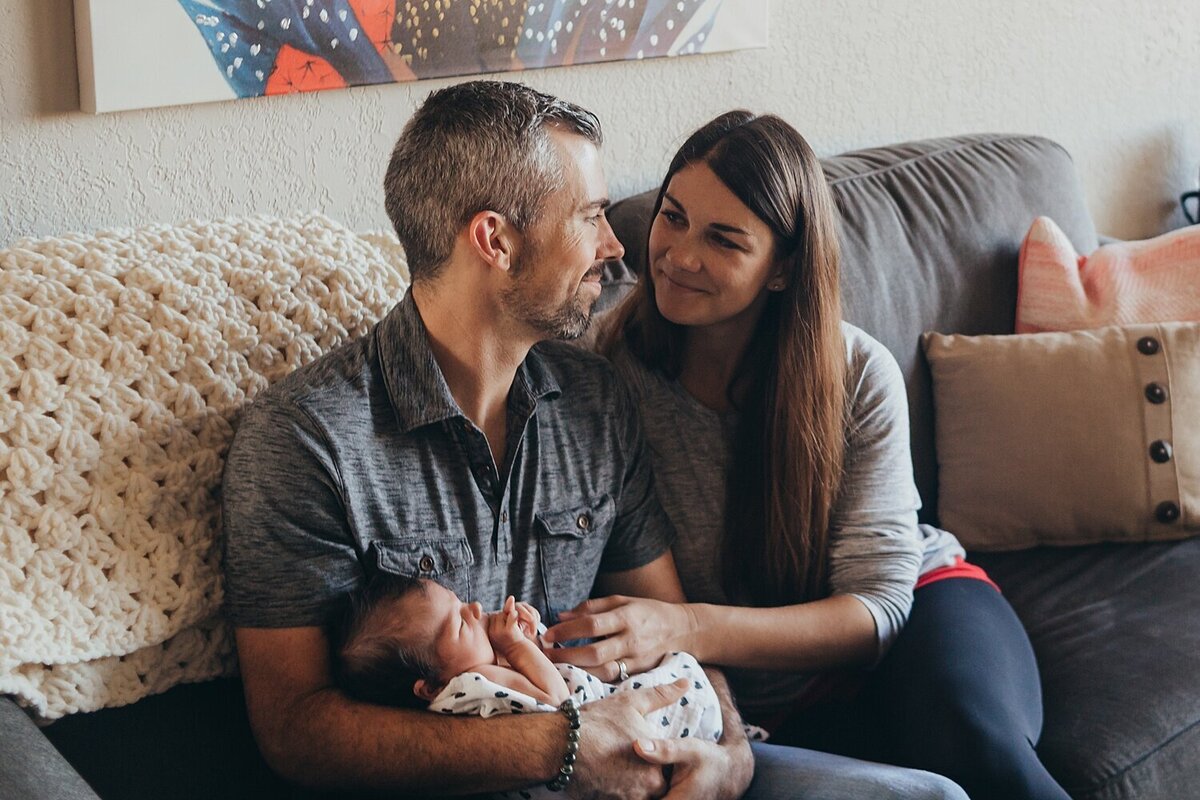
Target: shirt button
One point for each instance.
(1155, 393)
(584, 522)
(1147, 345)
(426, 564)
(1166, 512)
(1160, 451)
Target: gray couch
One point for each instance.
(931, 232)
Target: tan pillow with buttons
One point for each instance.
(1068, 438)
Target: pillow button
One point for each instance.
(1160, 451)
(1147, 345)
(426, 564)
(1166, 512)
(1156, 394)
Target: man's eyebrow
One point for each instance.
(720, 226)
(597, 205)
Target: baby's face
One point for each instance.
(457, 631)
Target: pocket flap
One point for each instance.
(424, 558)
(578, 520)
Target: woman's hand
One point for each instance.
(700, 769)
(634, 630)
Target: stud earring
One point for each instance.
(775, 286)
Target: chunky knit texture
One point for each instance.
(125, 360)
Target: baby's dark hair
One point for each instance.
(374, 662)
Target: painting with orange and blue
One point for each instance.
(272, 46)
(265, 47)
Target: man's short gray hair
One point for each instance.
(476, 146)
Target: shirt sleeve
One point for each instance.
(875, 550)
(642, 531)
(289, 554)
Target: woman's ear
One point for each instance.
(426, 690)
(493, 239)
(778, 282)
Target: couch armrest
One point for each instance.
(30, 767)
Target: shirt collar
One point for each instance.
(415, 383)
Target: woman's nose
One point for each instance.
(683, 256)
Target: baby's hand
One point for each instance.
(502, 629)
(528, 619)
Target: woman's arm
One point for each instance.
(834, 632)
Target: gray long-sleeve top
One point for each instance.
(877, 550)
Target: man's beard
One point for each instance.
(568, 321)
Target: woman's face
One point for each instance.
(711, 258)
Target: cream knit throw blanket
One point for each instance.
(125, 359)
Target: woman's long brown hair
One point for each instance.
(789, 386)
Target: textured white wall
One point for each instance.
(1116, 82)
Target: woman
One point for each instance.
(780, 442)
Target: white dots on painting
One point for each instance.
(324, 15)
(342, 15)
(285, 23)
(255, 49)
(333, 43)
(206, 21)
(670, 24)
(354, 34)
(304, 13)
(262, 23)
(654, 40)
(258, 73)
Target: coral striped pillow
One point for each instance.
(1125, 283)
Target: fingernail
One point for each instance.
(647, 745)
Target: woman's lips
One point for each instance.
(685, 287)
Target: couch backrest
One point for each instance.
(930, 236)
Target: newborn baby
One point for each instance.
(413, 641)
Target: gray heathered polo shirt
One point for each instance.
(362, 462)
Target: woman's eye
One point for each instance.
(728, 244)
(672, 217)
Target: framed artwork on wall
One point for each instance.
(146, 53)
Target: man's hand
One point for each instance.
(608, 768)
(702, 769)
(636, 630)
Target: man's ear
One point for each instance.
(426, 690)
(493, 239)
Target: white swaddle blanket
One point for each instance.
(697, 713)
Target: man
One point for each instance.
(454, 443)
(444, 444)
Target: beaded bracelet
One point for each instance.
(560, 781)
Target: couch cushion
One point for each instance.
(1116, 634)
(193, 741)
(930, 236)
(1019, 459)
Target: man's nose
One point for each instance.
(476, 610)
(610, 246)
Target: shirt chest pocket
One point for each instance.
(447, 560)
(571, 543)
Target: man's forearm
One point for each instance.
(333, 742)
